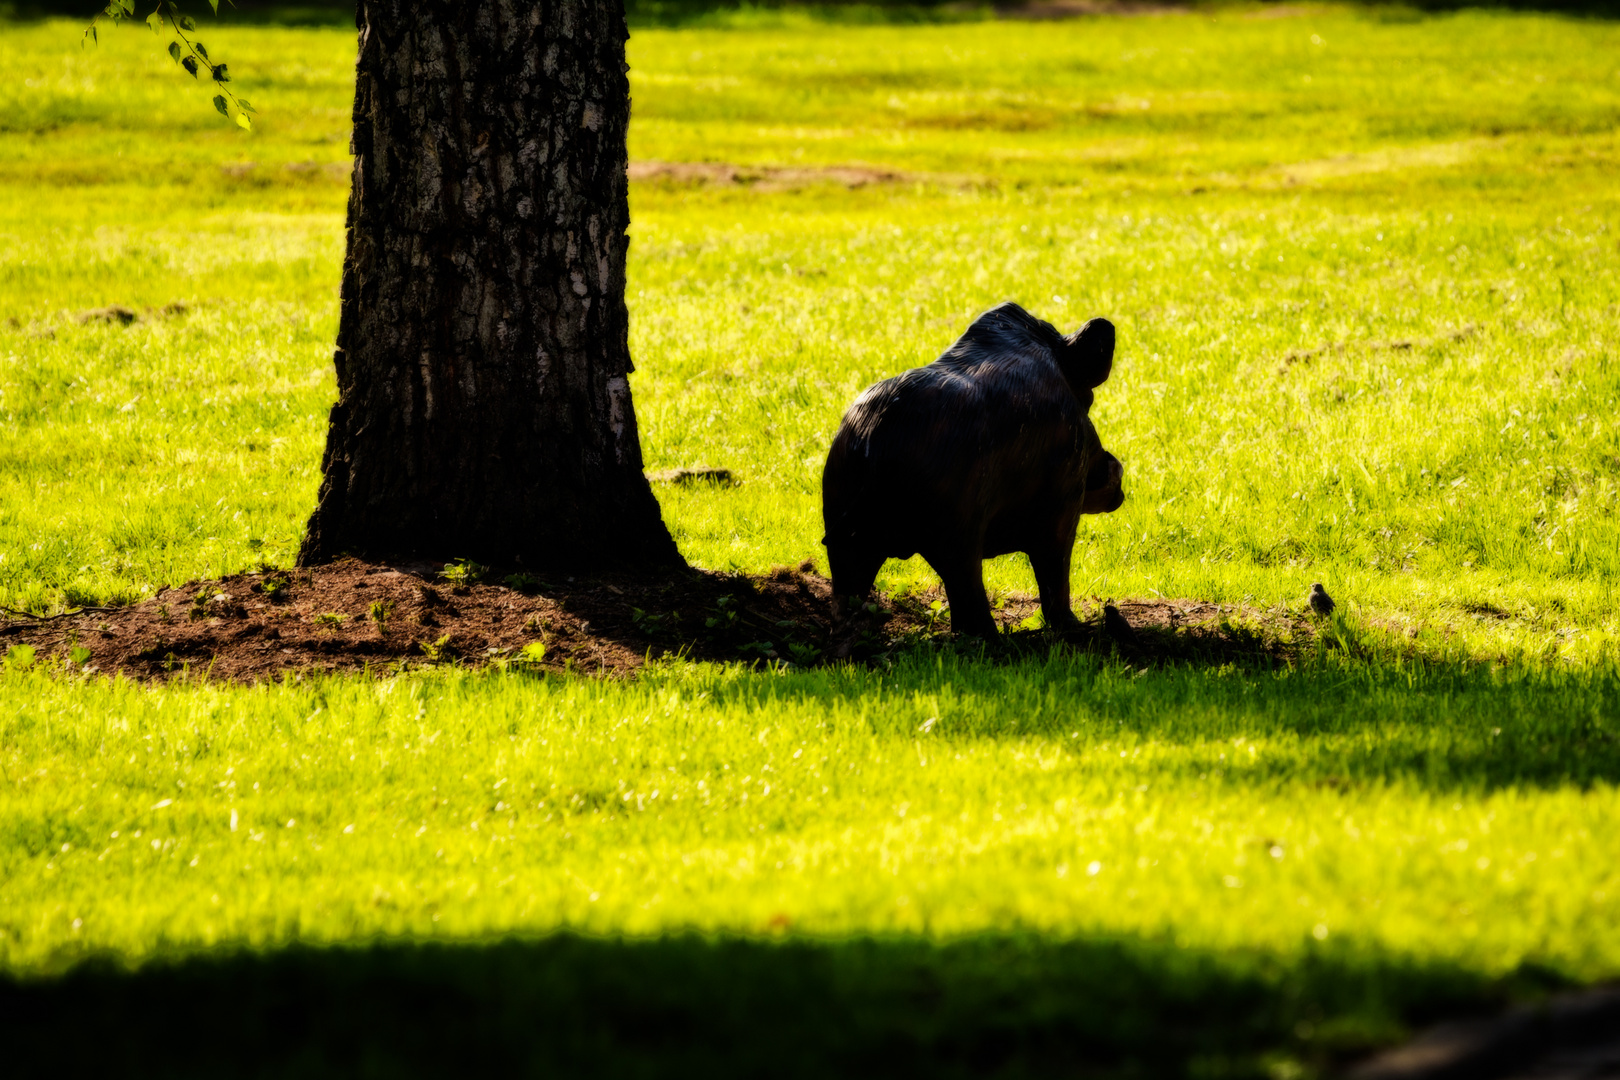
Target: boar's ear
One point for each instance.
(1090, 354)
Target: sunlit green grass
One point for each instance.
(1365, 277)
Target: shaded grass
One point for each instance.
(1005, 1005)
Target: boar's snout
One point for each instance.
(1103, 491)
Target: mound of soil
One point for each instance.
(356, 616)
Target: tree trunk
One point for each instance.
(483, 410)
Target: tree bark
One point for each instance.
(483, 409)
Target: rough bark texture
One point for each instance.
(483, 409)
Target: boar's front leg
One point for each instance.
(854, 570)
(962, 571)
(1050, 557)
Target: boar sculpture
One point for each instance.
(985, 451)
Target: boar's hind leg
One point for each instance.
(963, 575)
(1050, 561)
(854, 570)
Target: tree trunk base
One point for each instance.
(483, 353)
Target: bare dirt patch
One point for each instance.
(1304, 356)
(760, 177)
(1074, 9)
(356, 616)
(252, 174)
(124, 316)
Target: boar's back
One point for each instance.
(991, 424)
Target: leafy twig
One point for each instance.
(186, 51)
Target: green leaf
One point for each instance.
(215, 5)
(19, 656)
(243, 122)
(219, 103)
(245, 105)
(202, 52)
(190, 64)
(187, 23)
(174, 50)
(220, 74)
(79, 654)
(154, 21)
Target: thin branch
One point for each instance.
(196, 56)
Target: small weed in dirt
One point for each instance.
(803, 654)
(725, 614)
(199, 604)
(463, 572)
(274, 587)
(529, 657)
(379, 613)
(523, 583)
(19, 657)
(657, 625)
(329, 620)
(436, 650)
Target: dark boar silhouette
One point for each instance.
(985, 451)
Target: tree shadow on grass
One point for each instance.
(1005, 1005)
(1338, 717)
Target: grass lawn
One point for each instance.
(1364, 270)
